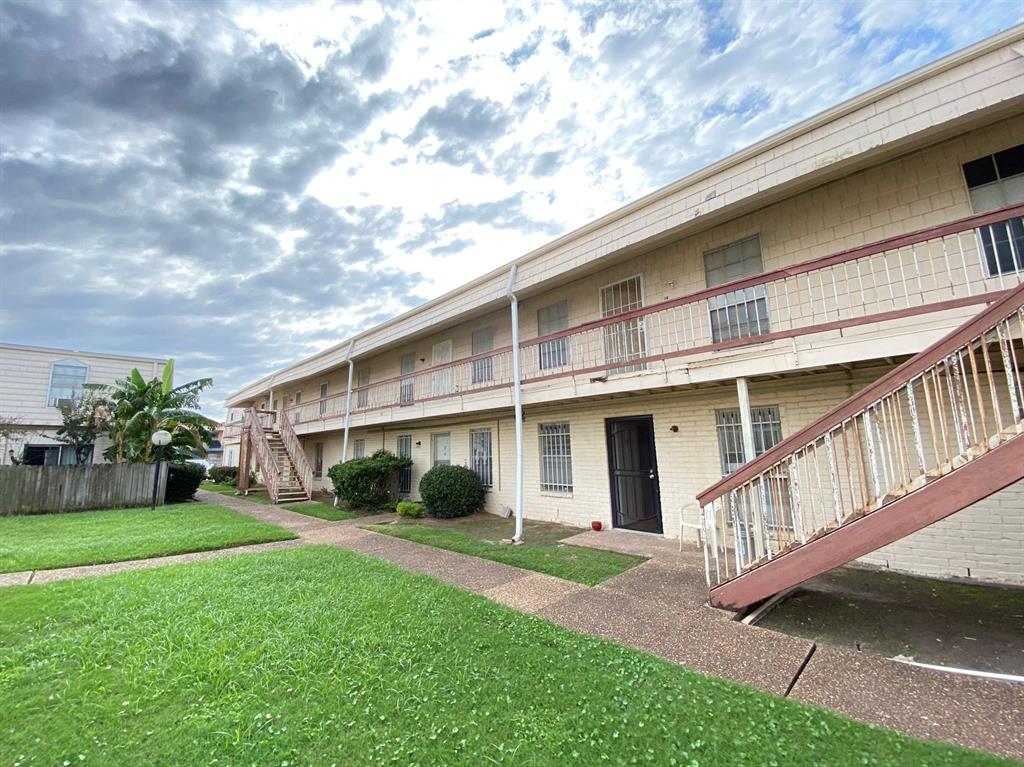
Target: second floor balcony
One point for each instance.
(891, 283)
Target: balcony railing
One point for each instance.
(966, 262)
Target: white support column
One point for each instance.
(518, 399)
(747, 429)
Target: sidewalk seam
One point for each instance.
(800, 670)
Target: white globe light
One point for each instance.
(161, 438)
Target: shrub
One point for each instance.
(183, 479)
(368, 483)
(224, 475)
(409, 509)
(451, 491)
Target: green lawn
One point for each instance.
(318, 656)
(321, 510)
(255, 496)
(545, 555)
(46, 541)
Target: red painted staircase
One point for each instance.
(932, 437)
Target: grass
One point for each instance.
(480, 536)
(42, 542)
(254, 496)
(322, 656)
(320, 510)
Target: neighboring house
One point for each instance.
(35, 381)
(795, 272)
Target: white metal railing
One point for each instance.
(257, 421)
(961, 263)
(942, 409)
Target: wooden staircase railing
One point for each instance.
(265, 459)
(954, 404)
(300, 463)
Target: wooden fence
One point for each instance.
(48, 489)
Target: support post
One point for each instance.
(518, 400)
(244, 461)
(747, 429)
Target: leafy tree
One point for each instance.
(84, 419)
(139, 407)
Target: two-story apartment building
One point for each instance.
(34, 383)
(663, 346)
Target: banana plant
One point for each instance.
(138, 407)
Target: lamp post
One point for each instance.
(161, 439)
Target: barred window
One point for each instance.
(404, 450)
(480, 454)
(767, 428)
(318, 460)
(993, 182)
(624, 340)
(323, 400)
(739, 313)
(551, 319)
(359, 448)
(555, 458)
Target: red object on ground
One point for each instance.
(595, 526)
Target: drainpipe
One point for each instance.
(348, 401)
(518, 399)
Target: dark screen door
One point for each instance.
(633, 473)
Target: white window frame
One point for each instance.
(626, 340)
(554, 353)
(359, 448)
(766, 422)
(318, 460)
(442, 380)
(407, 386)
(482, 368)
(324, 390)
(481, 454)
(1001, 243)
(555, 457)
(362, 392)
(729, 306)
(51, 401)
(433, 449)
(404, 475)
(298, 406)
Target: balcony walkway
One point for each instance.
(643, 609)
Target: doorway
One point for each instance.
(633, 474)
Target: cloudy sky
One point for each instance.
(238, 185)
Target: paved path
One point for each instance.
(660, 607)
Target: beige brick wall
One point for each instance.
(921, 189)
(984, 542)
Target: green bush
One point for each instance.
(368, 483)
(409, 509)
(451, 491)
(224, 475)
(183, 479)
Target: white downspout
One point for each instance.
(518, 399)
(348, 407)
(348, 401)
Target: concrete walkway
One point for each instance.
(660, 607)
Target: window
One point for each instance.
(298, 407)
(323, 399)
(551, 319)
(406, 392)
(996, 181)
(480, 454)
(624, 340)
(739, 313)
(555, 458)
(483, 342)
(441, 449)
(318, 460)
(67, 381)
(404, 450)
(363, 392)
(442, 381)
(359, 448)
(767, 428)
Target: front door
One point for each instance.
(633, 473)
